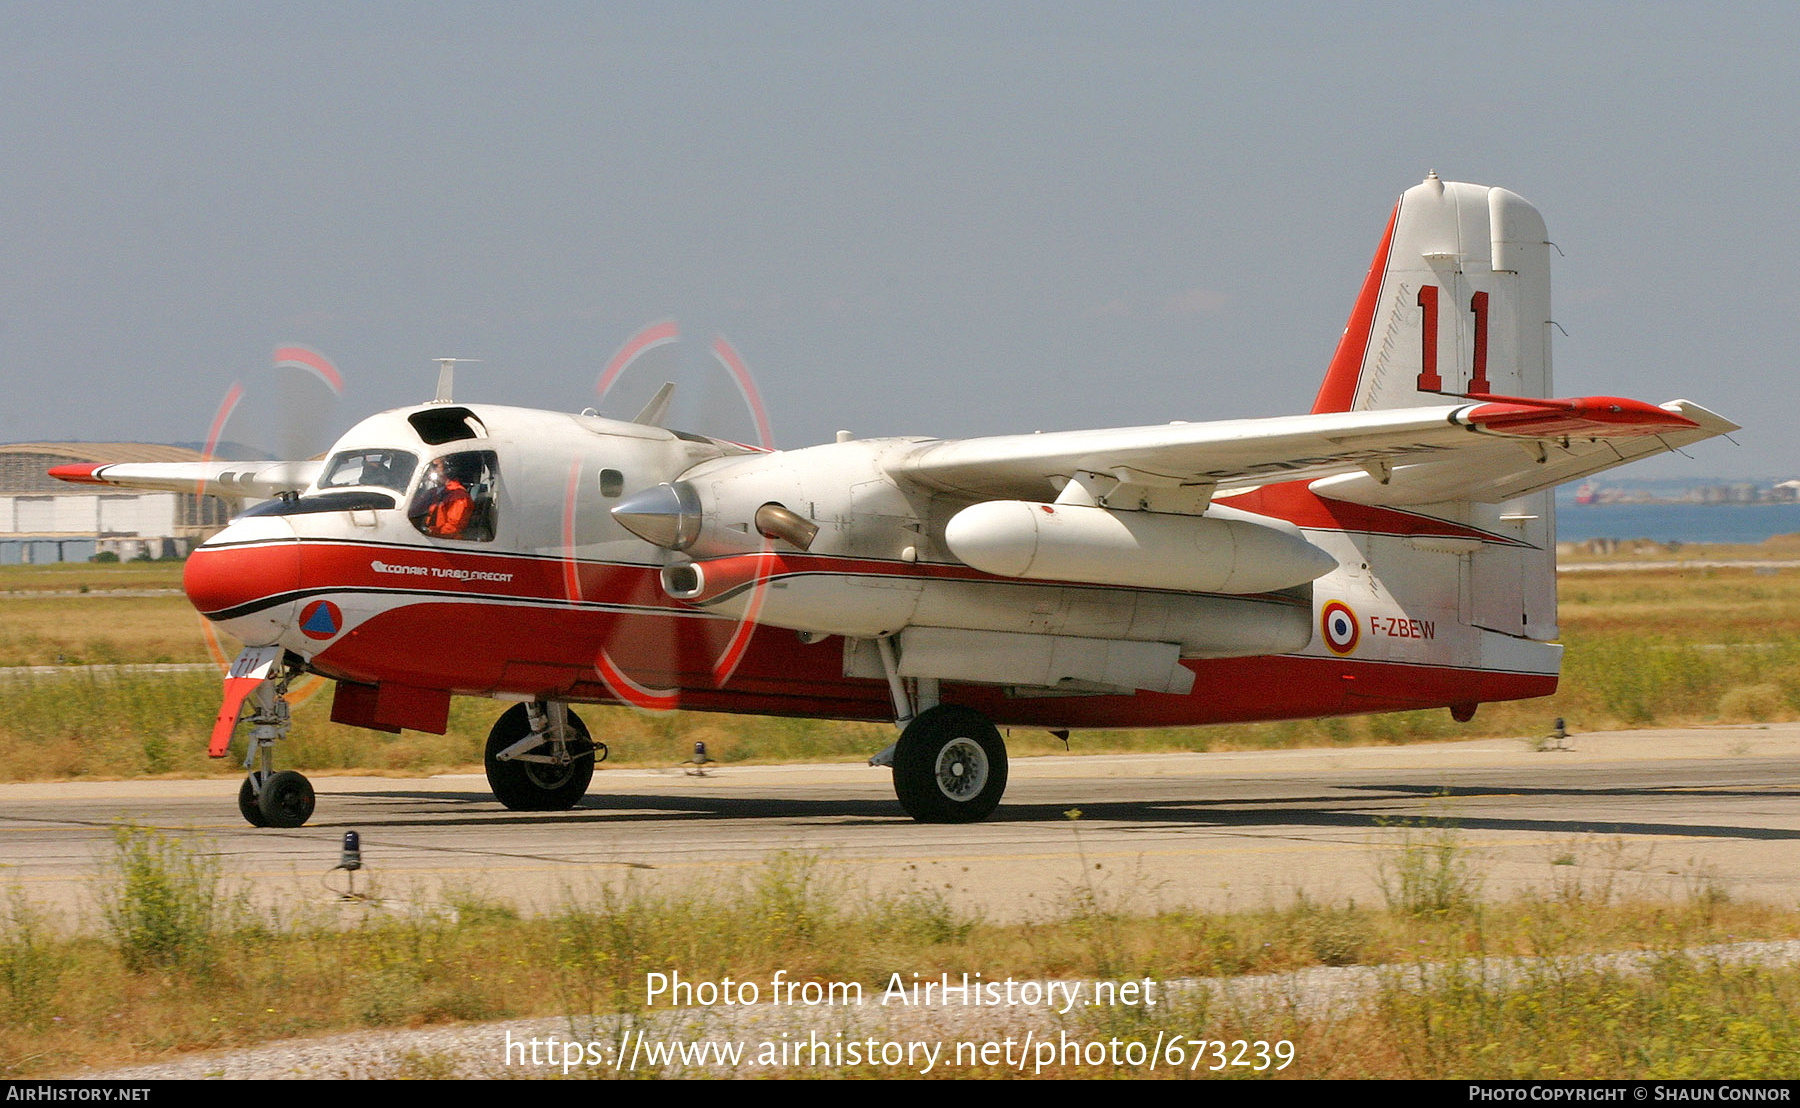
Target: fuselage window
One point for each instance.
(455, 499)
(382, 469)
(612, 482)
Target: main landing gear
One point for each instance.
(950, 763)
(540, 757)
(268, 798)
(950, 766)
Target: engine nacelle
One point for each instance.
(1066, 542)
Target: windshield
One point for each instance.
(384, 469)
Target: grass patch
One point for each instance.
(1427, 870)
(33, 961)
(108, 724)
(89, 577)
(1684, 1018)
(1510, 990)
(44, 629)
(159, 900)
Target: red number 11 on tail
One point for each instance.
(1429, 380)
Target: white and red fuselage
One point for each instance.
(562, 602)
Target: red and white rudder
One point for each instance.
(1456, 304)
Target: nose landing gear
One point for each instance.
(268, 798)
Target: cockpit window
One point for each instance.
(455, 498)
(437, 426)
(383, 469)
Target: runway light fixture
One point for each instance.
(349, 860)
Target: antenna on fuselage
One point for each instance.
(447, 377)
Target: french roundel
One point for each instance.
(1339, 625)
(321, 620)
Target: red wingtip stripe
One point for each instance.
(80, 474)
(1597, 416)
(1338, 392)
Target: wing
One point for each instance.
(256, 479)
(1491, 450)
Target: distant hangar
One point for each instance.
(45, 520)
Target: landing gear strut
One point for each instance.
(540, 758)
(268, 798)
(950, 763)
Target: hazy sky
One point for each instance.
(910, 218)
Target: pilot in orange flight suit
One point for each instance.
(450, 510)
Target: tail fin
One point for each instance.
(1457, 303)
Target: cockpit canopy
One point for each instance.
(455, 498)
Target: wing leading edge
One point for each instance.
(254, 479)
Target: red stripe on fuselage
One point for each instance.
(240, 574)
(476, 649)
(220, 579)
(328, 565)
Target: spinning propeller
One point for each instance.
(670, 642)
(298, 399)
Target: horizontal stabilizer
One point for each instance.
(1493, 471)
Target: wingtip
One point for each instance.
(1702, 417)
(80, 473)
(1587, 416)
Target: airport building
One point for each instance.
(46, 520)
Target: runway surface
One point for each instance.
(1668, 813)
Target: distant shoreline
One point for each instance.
(1736, 524)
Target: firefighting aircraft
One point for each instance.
(1391, 550)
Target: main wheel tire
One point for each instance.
(950, 766)
(536, 786)
(286, 800)
(247, 805)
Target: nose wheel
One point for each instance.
(268, 798)
(285, 799)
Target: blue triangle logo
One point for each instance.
(320, 621)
